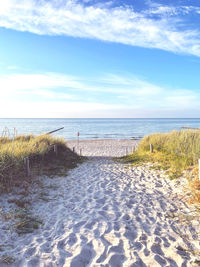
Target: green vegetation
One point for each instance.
(43, 159)
(174, 152)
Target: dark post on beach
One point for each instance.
(78, 134)
(199, 169)
(55, 149)
(55, 130)
(27, 166)
(151, 148)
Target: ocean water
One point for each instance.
(96, 128)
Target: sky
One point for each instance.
(99, 59)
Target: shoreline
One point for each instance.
(103, 140)
(103, 148)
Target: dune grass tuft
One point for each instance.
(42, 157)
(175, 151)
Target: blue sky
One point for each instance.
(99, 59)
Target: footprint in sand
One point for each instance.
(139, 262)
(166, 242)
(61, 244)
(72, 239)
(130, 234)
(116, 260)
(126, 217)
(78, 225)
(116, 226)
(90, 225)
(137, 246)
(84, 258)
(156, 248)
(29, 252)
(117, 249)
(160, 260)
(46, 247)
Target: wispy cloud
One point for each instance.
(70, 96)
(182, 98)
(45, 85)
(130, 85)
(12, 67)
(171, 10)
(55, 109)
(58, 86)
(104, 22)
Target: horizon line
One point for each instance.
(101, 118)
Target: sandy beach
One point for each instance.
(103, 213)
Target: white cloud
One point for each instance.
(13, 109)
(170, 10)
(12, 67)
(132, 86)
(182, 98)
(107, 23)
(46, 85)
(55, 109)
(60, 95)
(43, 85)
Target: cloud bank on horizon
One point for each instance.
(36, 91)
(172, 27)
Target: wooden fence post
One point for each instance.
(199, 169)
(80, 151)
(55, 149)
(73, 149)
(151, 148)
(27, 166)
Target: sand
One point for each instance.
(103, 213)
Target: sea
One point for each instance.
(133, 129)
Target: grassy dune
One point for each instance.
(42, 158)
(174, 152)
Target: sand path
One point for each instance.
(105, 213)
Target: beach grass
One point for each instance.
(42, 157)
(174, 152)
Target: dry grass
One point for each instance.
(174, 152)
(7, 259)
(42, 158)
(195, 191)
(26, 222)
